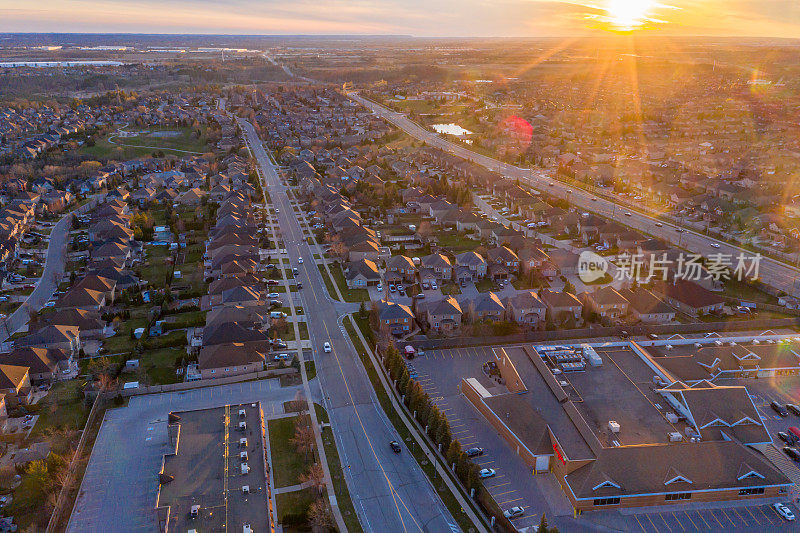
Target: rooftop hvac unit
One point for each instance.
(718, 343)
(195, 511)
(564, 383)
(253, 405)
(658, 406)
(756, 341)
(675, 436)
(732, 343)
(243, 456)
(242, 413)
(672, 418)
(657, 380)
(615, 443)
(247, 529)
(245, 468)
(690, 432)
(242, 426)
(668, 346)
(245, 489)
(243, 442)
(613, 426)
(698, 345)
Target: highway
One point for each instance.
(389, 491)
(770, 271)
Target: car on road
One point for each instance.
(679, 230)
(659, 225)
(326, 347)
(395, 446)
(594, 199)
(50, 304)
(783, 511)
(474, 452)
(420, 296)
(277, 211)
(779, 408)
(714, 245)
(514, 512)
(300, 260)
(274, 295)
(628, 214)
(485, 473)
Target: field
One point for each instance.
(117, 147)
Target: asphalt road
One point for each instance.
(389, 491)
(55, 262)
(772, 272)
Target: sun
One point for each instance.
(628, 14)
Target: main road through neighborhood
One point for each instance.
(772, 272)
(389, 491)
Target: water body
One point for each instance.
(50, 64)
(451, 129)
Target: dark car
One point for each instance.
(299, 284)
(794, 409)
(788, 438)
(474, 452)
(395, 446)
(779, 408)
(792, 452)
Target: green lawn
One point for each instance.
(322, 418)
(287, 464)
(350, 295)
(293, 508)
(450, 288)
(160, 364)
(311, 370)
(485, 285)
(337, 477)
(186, 141)
(62, 408)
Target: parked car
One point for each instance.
(793, 408)
(392, 288)
(434, 286)
(273, 295)
(326, 347)
(514, 512)
(779, 408)
(395, 446)
(379, 287)
(783, 511)
(792, 452)
(474, 452)
(281, 357)
(485, 473)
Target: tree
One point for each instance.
(319, 516)
(454, 452)
(544, 528)
(443, 435)
(315, 476)
(402, 384)
(303, 439)
(433, 420)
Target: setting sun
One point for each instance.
(628, 14)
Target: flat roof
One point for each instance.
(620, 390)
(206, 471)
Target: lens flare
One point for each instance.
(628, 14)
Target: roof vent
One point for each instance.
(245, 489)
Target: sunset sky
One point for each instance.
(512, 18)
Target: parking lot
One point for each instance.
(439, 373)
(750, 518)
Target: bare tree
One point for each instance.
(319, 515)
(315, 476)
(303, 439)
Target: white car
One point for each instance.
(326, 347)
(50, 304)
(783, 511)
(485, 473)
(281, 357)
(434, 286)
(300, 260)
(273, 295)
(379, 288)
(514, 512)
(714, 245)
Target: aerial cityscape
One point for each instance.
(382, 267)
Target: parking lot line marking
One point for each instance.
(765, 514)
(728, 517)
(500, 485)
(665, 520)
(651, 522)
(456, 425)
(742, 518)
(486, 462)
(678, 521)
(751, 514)
(715, 518)
(506, 492)
(690, 520)
(703, 519)
(509, 501)
(640, 524)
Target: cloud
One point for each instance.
(502, 18)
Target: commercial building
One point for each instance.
(215, 478)
(619, 430)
